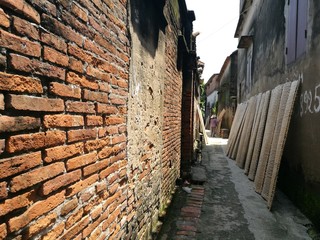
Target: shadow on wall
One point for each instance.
(147, 20)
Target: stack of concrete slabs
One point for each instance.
(237, 122)
(253, 134)
(282, 139)
(245, 135)
(258, 141)
(275, 139)
(267, 138)
(235, 128)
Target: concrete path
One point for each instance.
(230, 208)
(233, 210)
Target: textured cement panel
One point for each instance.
(267, 138)
(258, 142)
(245, 136)
(253, 134)
(234, 129)
(238, 134)
(274, 145)
(282, 139)
(241, 110)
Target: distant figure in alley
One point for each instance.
(213, 125)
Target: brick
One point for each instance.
(85, 197)
(44, 6)
(96, 233)
(106, 109)
(59, 28)
(36, 176)
(54, 56)
(18, 164)
(88, 230)
(116, 100)
(114, 120)
(74, 218)
(97, 144)
(76, 65)
(25, 28)
(54, 41)
(80, 107)
(1, 101)
(3, 231)
(35, 141)
(39, 104)
(101, 186)
(108, 151)
(41, 224)
(82, 134)
(13, 124)
(3, 61)
(69, 206)
(92, 120)
(104, 87)
(38, 209)
(79, 53)
(111, 130)
(63, 90)
(12, 82)
(62, 152)
(81, 161)
(106, 172)
(93, 168)
(96, 73)
(62, 120)
(123, 83)
(82, 184)
(76, 228)
(21, 45)
(79, 26)
(22, 7)
(17, 202)
(60, 181)
(3, 190)
(35, 66)
(4, 19)
(93, 47)
(76, 79)
(118, 139)
(79, 12)
(95, 96)
(55, 232)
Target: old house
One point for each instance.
(96, 105)
(279, 42)
(211, 89)
(227, 91)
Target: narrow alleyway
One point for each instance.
(229, 207)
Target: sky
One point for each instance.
(216, 20)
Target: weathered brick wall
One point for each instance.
(154, 115)
(171, 154)
(63, 93)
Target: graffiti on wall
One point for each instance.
(310, 101)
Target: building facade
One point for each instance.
(279, 41)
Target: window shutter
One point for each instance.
(302, 27)
(291, 31)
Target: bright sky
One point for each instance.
(216, 20)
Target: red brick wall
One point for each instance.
(63, 93)
(171, 154)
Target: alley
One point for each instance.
(231, 209)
